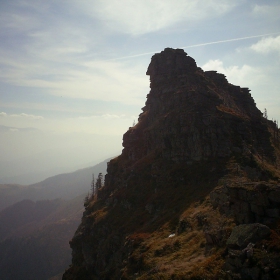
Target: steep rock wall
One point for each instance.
(192, 115)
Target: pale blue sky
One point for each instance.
(76, 69)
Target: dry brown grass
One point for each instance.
(158, 256)
(210, 268)
(152, 253)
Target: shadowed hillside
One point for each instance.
(35, 231)
(34, 237)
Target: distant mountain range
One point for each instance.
(34, 237)
(64, 186)
(37, 221)
(30, 155)
(4, 128)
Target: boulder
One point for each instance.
(244, 234)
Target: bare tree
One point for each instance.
(265, 113)
(92, 186)
(99, 181)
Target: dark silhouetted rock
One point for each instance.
(198, 134)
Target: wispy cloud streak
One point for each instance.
(200, 45)
(230, 40)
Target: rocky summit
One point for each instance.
(195, 193)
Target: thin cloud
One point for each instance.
(229, 40)
(141, 17)
(54, 107)
(104, 116)
(245, 76)
(27, 116)
(96, 80)
(13, 129)
(17, 22)
(3, 114)
(266, 10)
(200, 45)
(267, 45)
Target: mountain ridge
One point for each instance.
(201, 161)
(66, 186)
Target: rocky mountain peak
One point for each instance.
(192, 115)
(201, 160)
(170, 62)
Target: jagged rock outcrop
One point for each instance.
(197, 135)
(192, 115)
(248, 202)
(247, 261)
(244, 234)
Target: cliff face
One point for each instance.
(192, 115)
(197, 135)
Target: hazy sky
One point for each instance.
(72, 73)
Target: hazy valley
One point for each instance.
(37, 221)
